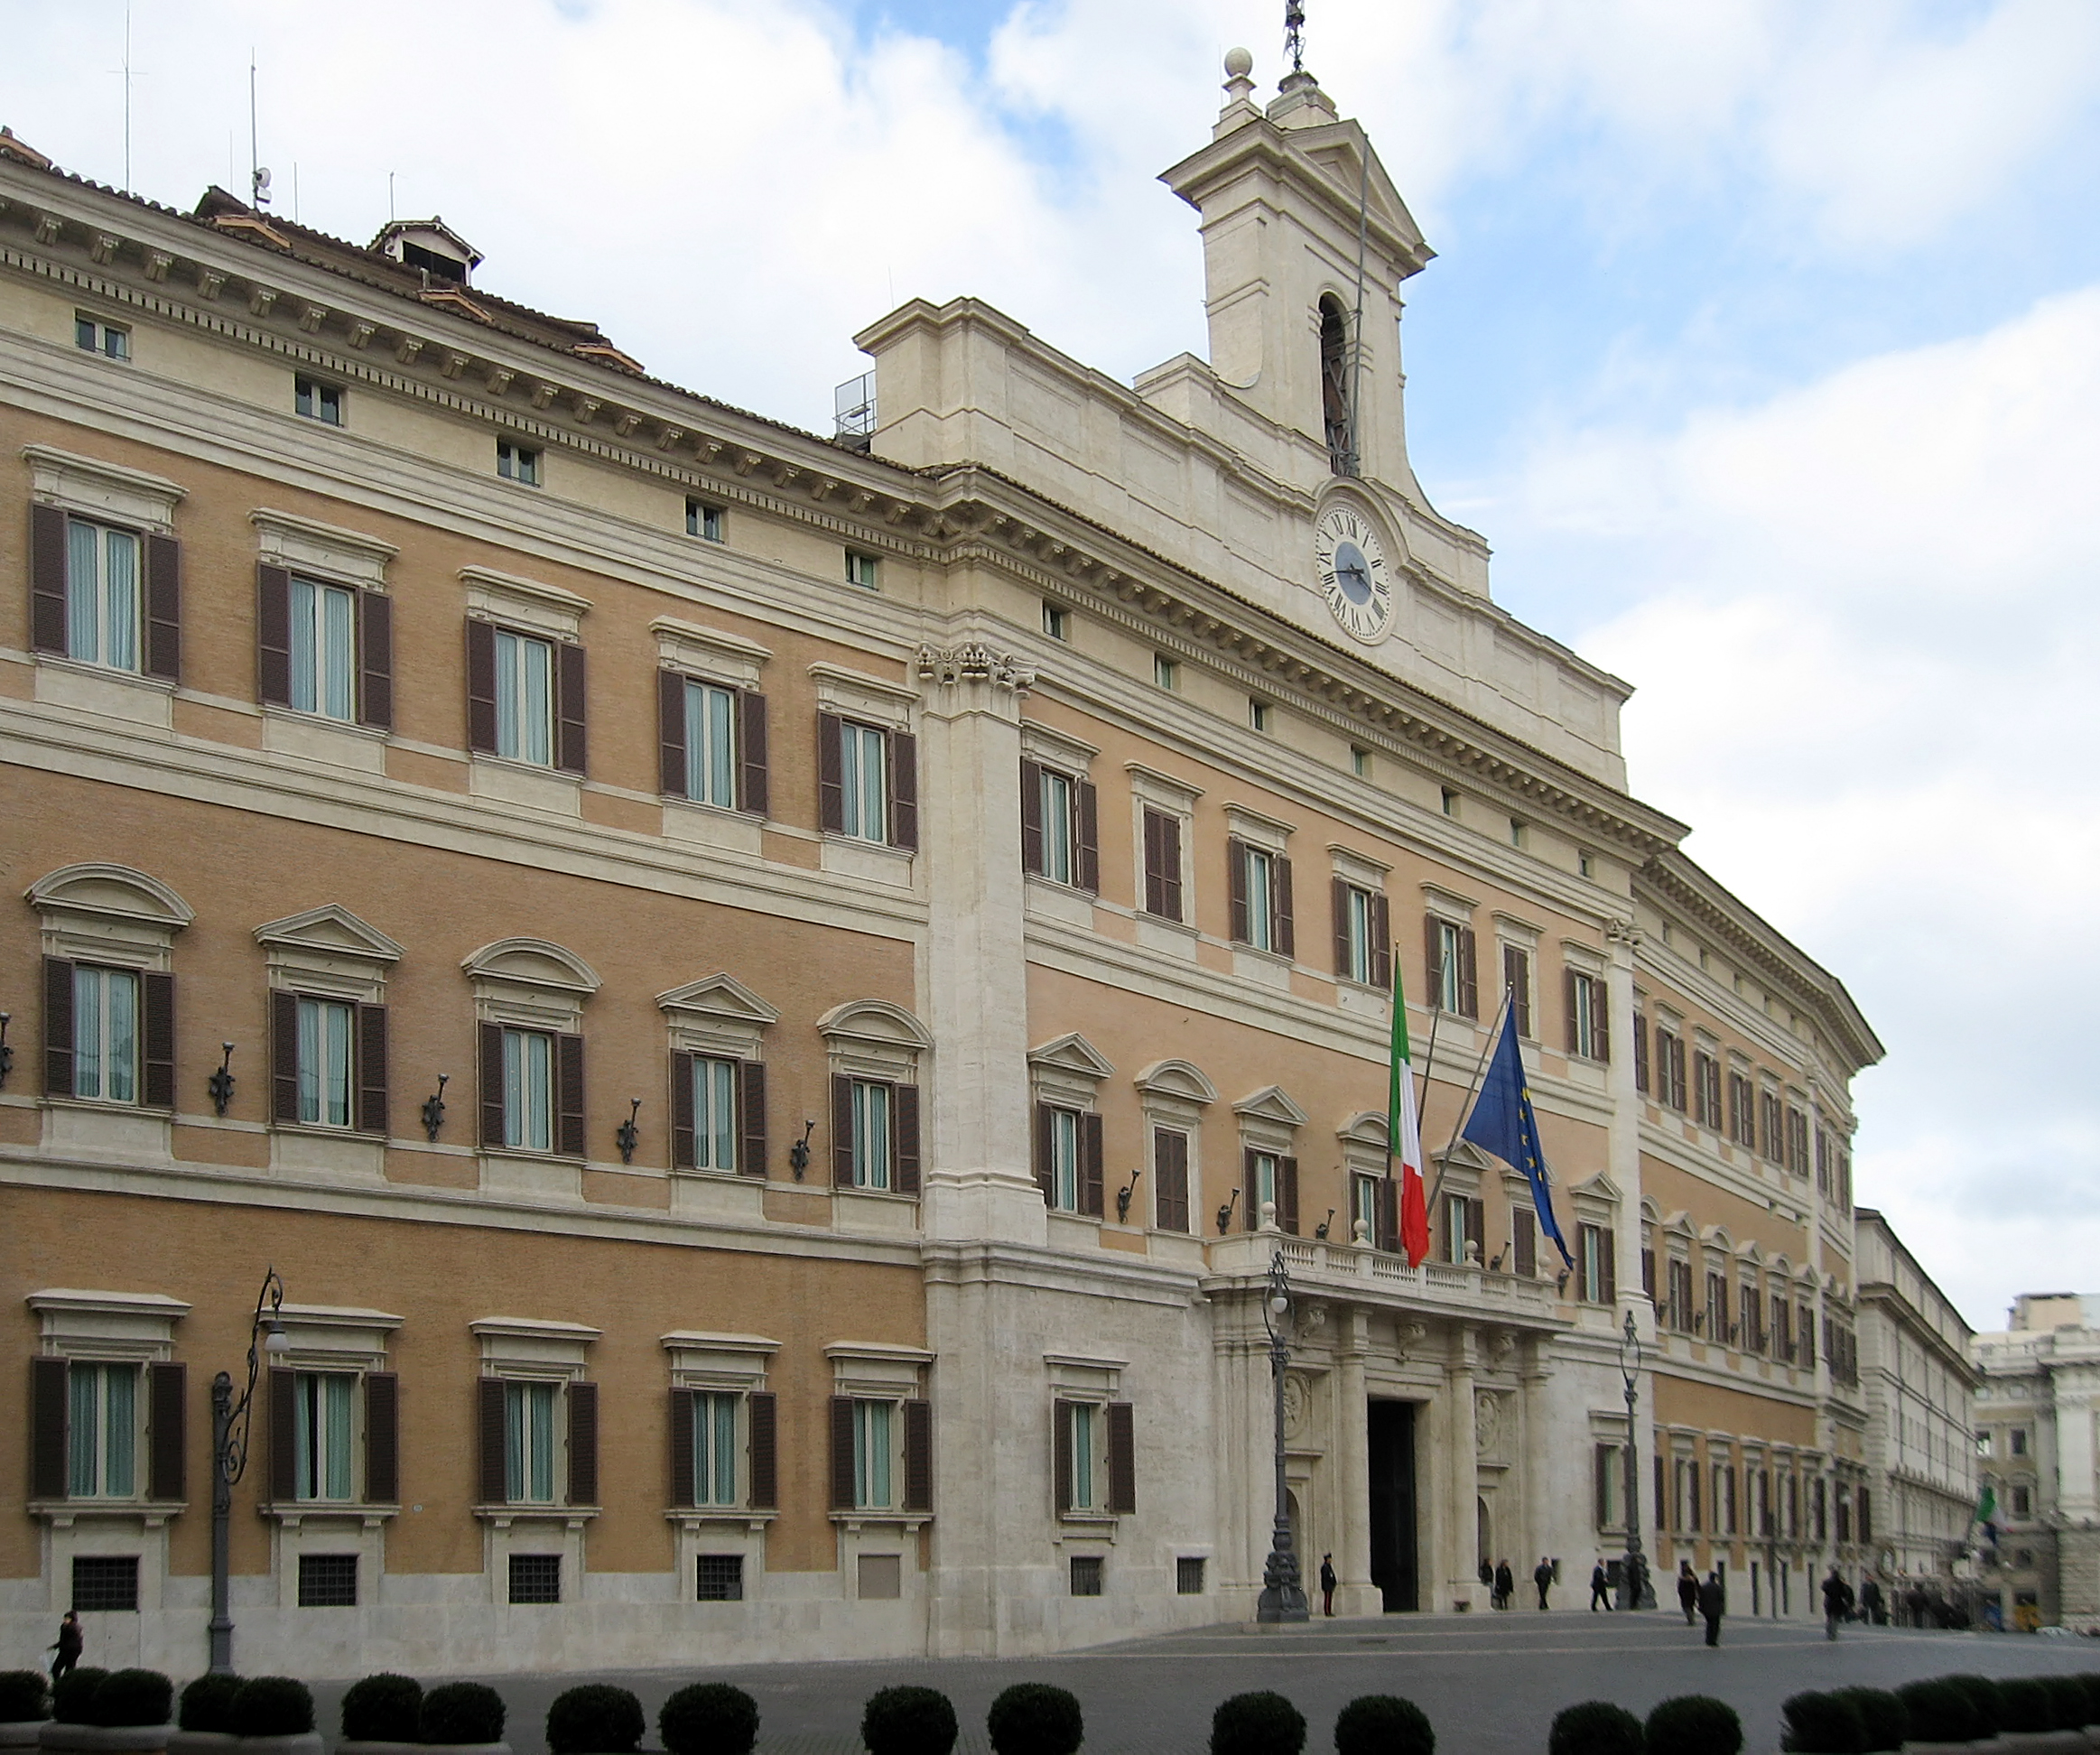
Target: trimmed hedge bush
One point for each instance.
(596, 1719)
(1694, 1724)
(461, 1713)
(2023, 1705)
(1596, 1727)
(23, 1696)
(131, 1697)
(1383, 1724)
(1986, 1702)
(1033, 1718)
(73, 1696)
(1260, 1723)
(1887, 1723)
(1818, 1723)
(2066, 1700)
(2091, 1683)
(271, 1707)
(1939, 1711)
(708, 1718)
(207, 1703)
(909, 1721)
(383, 1708)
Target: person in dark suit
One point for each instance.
(1505, 1584)
(1600, 1587)
(1713, 1605)
(71, 1639)
(1542, 1576)
(1687, 1591)
(1327, 1581)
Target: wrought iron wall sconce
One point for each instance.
(798, 1153)
(6, 1054)
(221, 1082)
(1225, 1213)
(1321, 1229)
(433, 1109)
(1123, 1198)
(626, 1134)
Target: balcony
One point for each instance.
(1345, 1270)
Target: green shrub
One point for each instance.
(1822, 1724)
(22, 1696)
(1383, 1724)
(133, 1696)
(2067, 1699)
(207, 1703)
(2023, 1705)
(271, 1707)
(1694, 1724)
(708, 1718)
(383, 1708)
(461, 1713)
(1033, 1718)
(1257, 1724)
(73, 1694)
(596, 1719)
(1594, 1727)
(1887, 1723)
(1939, 1711)
(2091, 1683)
(907, 1721)
(1987, 1703)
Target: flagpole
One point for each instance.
(1479, 1072)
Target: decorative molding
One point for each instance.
(303, 544)
(974, 662)
(89, 486)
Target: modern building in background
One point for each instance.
(773, 997)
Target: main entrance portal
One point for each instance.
(1392, 1503)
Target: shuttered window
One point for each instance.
(1742, 1111)
(324, 1438)
(528, 1091)
(1465, 1225)
(528, 1451)
(1707, 1090)
(1363, 1210)
(1587, 1024)
(1170, 1200)
(1069, 1159)
(1259, 885)
(870, 1134)
(875, 1135)
(873, 1459)
(1451, 975)
(714, 1448)
(106, 1007)
(1162, 833)
(324, 658)
(328, 1062)
(1362, 936)
(1669, 1068)
(1596, 1265)
(863, 775)
(1060, 827)
(718, 1114)
(102, 1430)
(711, 744)
(526, 698)
(1517, 980)
(103, 595)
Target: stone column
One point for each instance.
(1462, 1561)
(1352, 1466)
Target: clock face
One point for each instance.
(1355, 579)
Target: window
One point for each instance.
(1259, 882)
(1680, 1296)
(1166, 672)
(1742, 1111)
(1518, 828)
(1260, 715)
(535, 1578)
(1082, 1439)
(870, 1134)
(1797, 1141)
(1360, 762)
(1363, 946)
(1588, 1020)
(863, 775)
(326, 1032)
(322, 1434)
(861, 570)
(1750, 1323)
(1335, 387)
(1061, 1167)
(1725, 1499)
(2019, 1438)
(711, 744)
(872, 1423)
(1450, 797)
(1782, 1328)
(2023, 1502)
(1609, 1489)
(718, 1577)
(714, 1448)
(714, 1112)
(703, 520)
(1669, 1067)
(528, 1091)
(1771, 1116)
(528, 1448)
(110, 339)
(327, 1581)
(102, 1420)
(1188, 1575)
(1707, 1090)
(525, 698)
(1086, 1574)
(519, 463)
(1715, 1321)
(1363, 1205)
(1452, 982)
(1465, 1225)
(1170, 1193)
(1594, 1266)
(324, 672)
(1060, 827)
(1585, 866)
(1162, 834)
(1517, 980)
(105, 1583)
(105, 1034)
(1261, 1185)
(1056, 622)
(1983, 1445)
(318, 401)
(1806, 1327)
(102, 595)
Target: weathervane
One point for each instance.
(1293, 33)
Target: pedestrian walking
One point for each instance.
(1327, 1582)
(1600, 1586)
(1505, 1584)
(1870, 1602)
(1712, 1605)
(70, 1642)
(1542, 1576)
(1687, 1591)
(1836, 1602)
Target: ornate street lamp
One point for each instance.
(230, 1421)
(1636, 1587)
(1283, 1592)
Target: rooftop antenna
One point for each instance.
(1293, 33)
(390, 198)
(129, 73)
(258, 174)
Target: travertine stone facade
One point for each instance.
(785, 995)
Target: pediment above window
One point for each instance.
(718, 1014)
(874, 1038)
(1466, 1156)
(530, 981)
(1176, 1078)
(1072, 1054)
(329, 949)
(108, 912)
(1270, 1104)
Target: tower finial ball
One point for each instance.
(1239, 63)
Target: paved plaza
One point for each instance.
(1489, 1683)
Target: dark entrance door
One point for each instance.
(1392, 1503)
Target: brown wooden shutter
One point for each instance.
(283, 1055)
(680, 1447)
(569, 1095)
(1122, 1459)
(671, 733)
(481, 687)
(1601, 1027)
(572, 749)
(167, 1433)
(681, 1112)
(1433, 961)
(283, 1391)
(919, 1456)
(750, 1119)
(1155, 890)
(1641, 1074)
(831, 773)
(1517, 978)
(274, 640)
(1062, 1414)
(1524, 1234)
(754, 763)
(1032, 817)
(372, 1069)
(904, 1114)
(492, 1409)
(1250, 1189)
(48, 1406)
(376, 660)
(842, 1452)
(1381, 944)
(1389, 1216)
(763, 1410)
(582, 1398)
(1091, 1171)
(163, 653)
(1608, 1255)
(1236, 885)
(841, 1131)
(492, 1119)
(1045, 1133)
(1469, 991)
(47, 591)
(382, 1438)
(1170, 907)
(1170, 1179)
(58, 1027)
(1477, 1225)
(1340, 893)
(1287, 1194)
(157, 1079)
(1284, 933)
(904, 790)
(1087, 835)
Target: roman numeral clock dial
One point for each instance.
(1354, 578)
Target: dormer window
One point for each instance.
(431, 246)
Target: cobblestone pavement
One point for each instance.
(1491, 1684)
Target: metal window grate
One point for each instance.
(1086, 1574)
(327, 1581)
(535, 1578)
(105, 1582)
(1188, 1575)
(720, 1577)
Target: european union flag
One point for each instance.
(1501, 1122)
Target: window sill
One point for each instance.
(1271, 967)
(1095, 1524)
(910, 1522)
(690, 1517)
(1056, 901)
(104, 690)
(61, 1514)
(874, 862)
(317, 738)
(713, 826)
(1173, 938)
(512, 782)
(290, 1517)
(501, 1517)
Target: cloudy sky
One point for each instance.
(1763, 344)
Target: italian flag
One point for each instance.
(1404, 1135)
